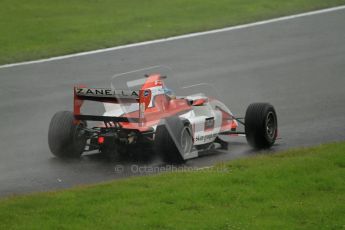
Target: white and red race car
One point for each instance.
(144, 116)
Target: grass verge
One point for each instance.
(297, 189)
(38, 29)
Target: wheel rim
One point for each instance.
(271, 126)
(186, 141)
(79, 136)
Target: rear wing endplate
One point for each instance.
(106, 95)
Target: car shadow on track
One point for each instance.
(96, 163)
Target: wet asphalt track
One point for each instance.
(298, 65)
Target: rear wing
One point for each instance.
(106, 95)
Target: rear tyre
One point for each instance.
(261, 125)
(65, 138)
(173, 140)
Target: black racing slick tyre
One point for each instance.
(65, 137)
(261, 125)
(173, 140)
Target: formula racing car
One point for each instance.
(144, 115)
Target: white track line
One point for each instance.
(179, 37)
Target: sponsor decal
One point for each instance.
(206, 138)
(99, 92)
(146, 93)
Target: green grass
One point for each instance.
(297, 189)
(43, 28)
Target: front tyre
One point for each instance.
(65, 137)
(173, 140)
(261, 125)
